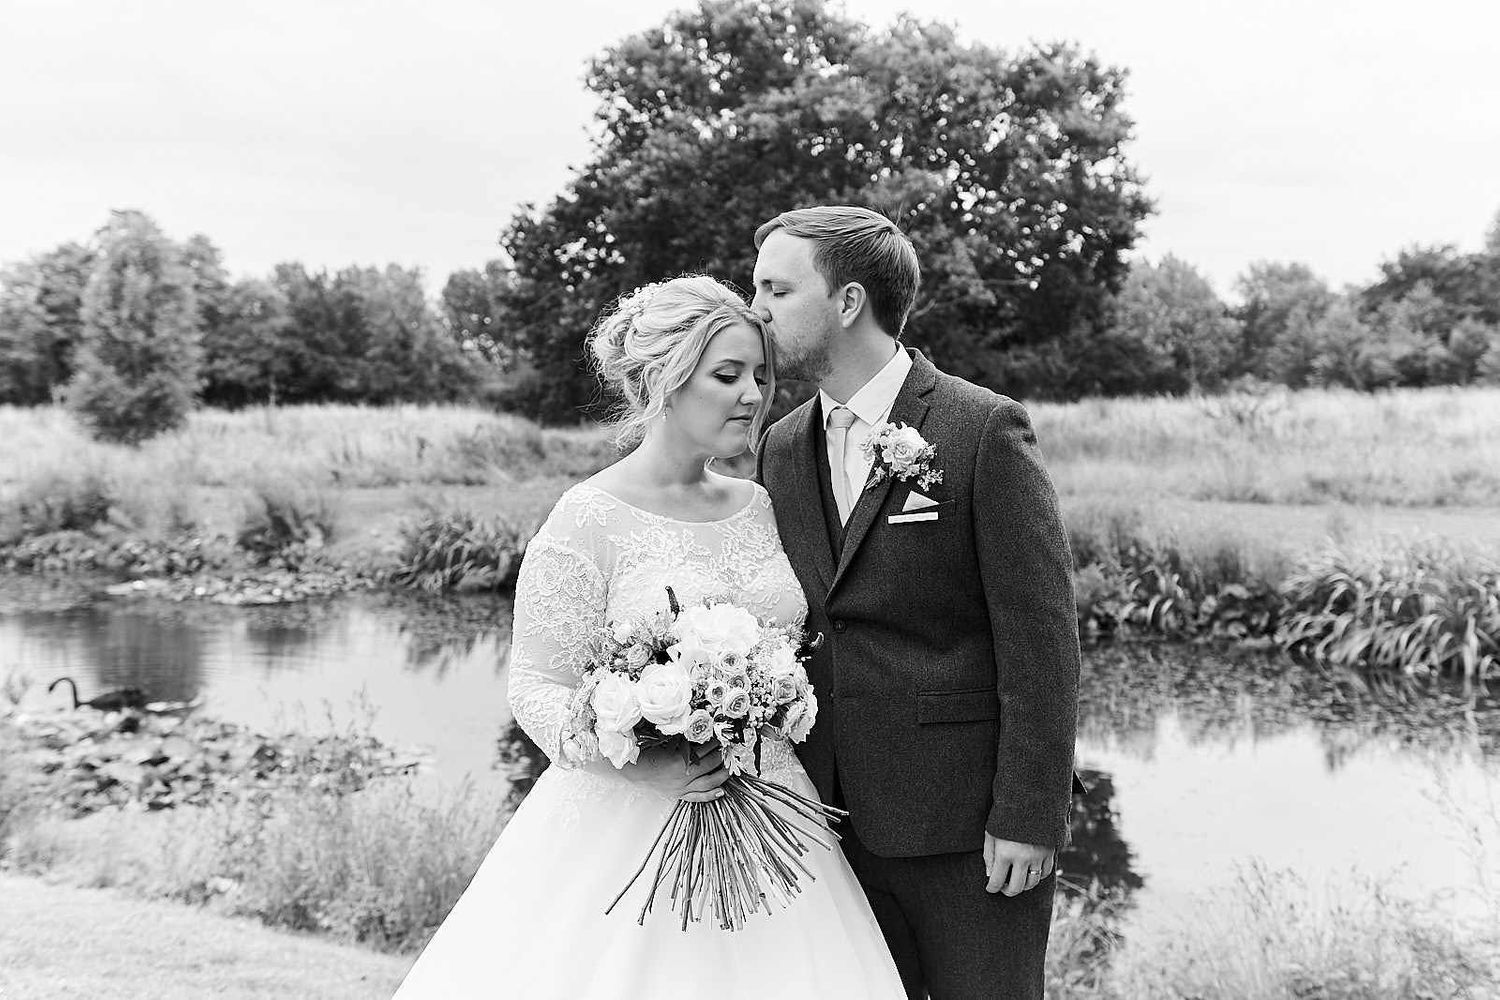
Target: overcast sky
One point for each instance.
(331, 132)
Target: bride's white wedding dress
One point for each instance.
(532, 925)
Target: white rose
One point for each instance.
(623, 631)
(903, 448)
(800, 718)
(722, 628)
(700, 727)
(691, 653)
(715, 691)
(616, 705)
(780, 661)
(785, 689)
(736, 703)
(665, 692)
(620, 748)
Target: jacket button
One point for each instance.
(840, 625)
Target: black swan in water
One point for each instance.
(110, 701)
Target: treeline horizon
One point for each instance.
(373, 335)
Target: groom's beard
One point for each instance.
(812, 367)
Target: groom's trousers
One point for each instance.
(950, 938)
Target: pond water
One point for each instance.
(1202, 761)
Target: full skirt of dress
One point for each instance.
(532, 926)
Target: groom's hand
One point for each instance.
(1009, 865)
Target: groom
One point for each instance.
(948, 677)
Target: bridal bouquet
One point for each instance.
(700, 680)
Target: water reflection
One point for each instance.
(1098, 859)
(519, 759)
(1224, 698)
(443, 632)
(420, 673)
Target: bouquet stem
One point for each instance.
(728, 857)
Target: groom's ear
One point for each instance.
(852, 301)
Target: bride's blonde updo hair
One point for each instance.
(647, 345)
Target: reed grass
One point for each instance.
(458, 550)
(330, 445)
(1408, 447)
(1428, 609)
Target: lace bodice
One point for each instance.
(598, 560)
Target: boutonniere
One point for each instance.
(898, 451)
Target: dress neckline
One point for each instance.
(748, 505)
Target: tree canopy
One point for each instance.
(1006, 169)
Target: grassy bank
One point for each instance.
(67, 943)
(311, 832)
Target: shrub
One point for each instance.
(287, 521)
(1424, 609)
(1159, 583)
(72, 499)
(455, 550)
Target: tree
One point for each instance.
(40, 301)
(1464, 285)
(1007, 171)
(473, 312)
(361, 335)
(136, 367)
(1346, 351)
(408, 356)
(1184, 335)
(247, 352)
(1276, 296)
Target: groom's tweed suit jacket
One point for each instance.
(948, 678)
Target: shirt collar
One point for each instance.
(875, 398)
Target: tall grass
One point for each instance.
(381, 866)
(1270, 936)
(341, 446)
(1409, 447)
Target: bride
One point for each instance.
(695, 368)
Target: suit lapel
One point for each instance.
(807, 507)
(910, 408)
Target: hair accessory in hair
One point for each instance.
(638, 301)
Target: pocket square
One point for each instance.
(923, 515)
(916, 501)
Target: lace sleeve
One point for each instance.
(560, 602)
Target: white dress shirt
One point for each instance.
(870, 405)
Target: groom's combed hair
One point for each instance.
(856, 244)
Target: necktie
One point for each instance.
(838, 436)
